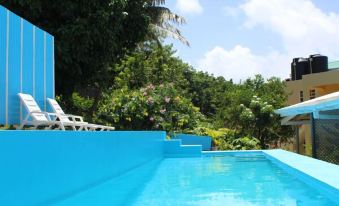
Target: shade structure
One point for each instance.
(323, 103)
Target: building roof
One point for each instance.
(323, 103)
(333, 65)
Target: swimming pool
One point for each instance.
(143, 168)
(232, 179)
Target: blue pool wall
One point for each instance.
(26, 65)
(174, 148)
(187, 139)
(43, 167)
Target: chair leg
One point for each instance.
(62, 127)
(21, 126)
(50, 127)
(24, 122)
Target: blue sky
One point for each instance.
(240, 38)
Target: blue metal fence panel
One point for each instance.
(27, 61)
(39, 68)
(14, 61)
(49, 64)
(3, 32)
(26, 65)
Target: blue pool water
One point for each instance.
(224, 180)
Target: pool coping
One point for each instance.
(321, 175)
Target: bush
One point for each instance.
(228, 139)
(150, 108)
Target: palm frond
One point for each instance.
(169, 31)
(162, 14)
(162, 19)
(158, 2)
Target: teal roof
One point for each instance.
(322, 103)
(333, 65)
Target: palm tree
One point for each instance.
(163, 22)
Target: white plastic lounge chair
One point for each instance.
(91, 127)
(36, 117)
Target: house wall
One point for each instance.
(323, 83)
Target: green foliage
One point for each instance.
(2, 127)
(77, 104)
(151, 64)
(10, 127)
(159, 107)
(250, 110)
(228, 139)
(81, 103)
(207, 92)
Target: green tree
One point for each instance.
(251, 110)
(207, 92)
(151, 64)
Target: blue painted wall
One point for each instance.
(26, 65)
(174, 148)
(3, 34)
(43, 167)
(204, 141)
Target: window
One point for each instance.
(312, 93)
(301, 96)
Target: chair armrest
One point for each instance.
(75, 118)
(56, 116)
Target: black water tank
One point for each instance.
(318, 63)
(302, 68)
(293, 68)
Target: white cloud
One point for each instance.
(189, 6)
(240, 63)
(232, 11)
(303, 28)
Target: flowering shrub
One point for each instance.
(150, 108)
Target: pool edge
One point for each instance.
(299, 166)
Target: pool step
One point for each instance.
(174, 148)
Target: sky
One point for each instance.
(237, 39)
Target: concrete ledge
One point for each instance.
(173, 148)
(233, 152)
(319, 174)
(188, 139)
